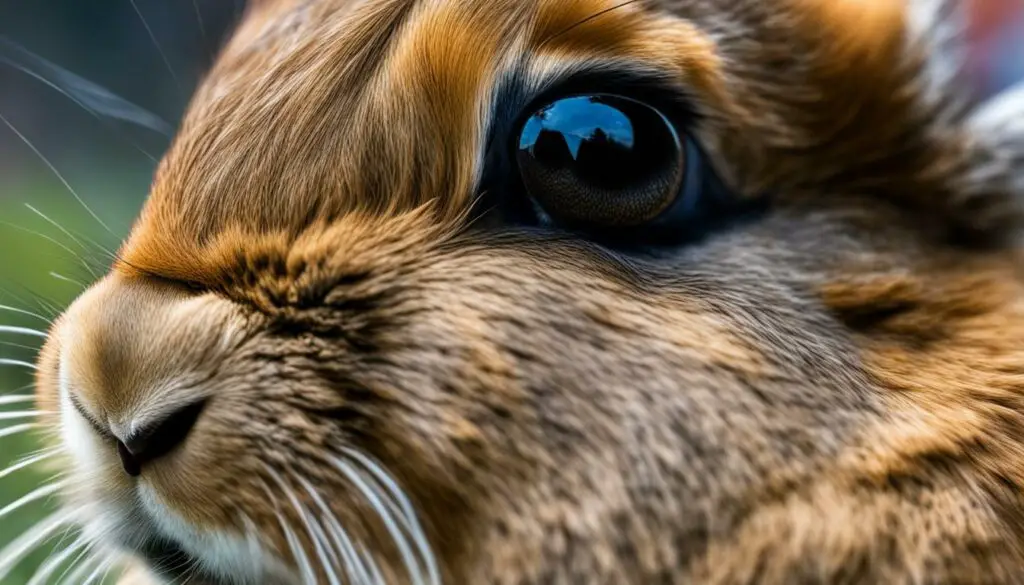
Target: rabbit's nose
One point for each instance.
(159, 439)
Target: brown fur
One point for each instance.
(831, 393)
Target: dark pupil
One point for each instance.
(600, 160)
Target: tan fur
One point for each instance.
(829, 393)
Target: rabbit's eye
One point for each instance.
(599, 162)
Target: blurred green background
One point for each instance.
(109, 164)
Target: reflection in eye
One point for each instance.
(601, 161)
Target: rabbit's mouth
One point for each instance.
(178, 552)
(172, 562)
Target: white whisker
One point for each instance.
(54, 223)
(30, 461)
(35, 495)
(79, 564)
(24, 312)
(156, 43)
(407, 516)
(68, 280)
(54, 562)
(199, 20)
(371, 495)
(81, 240)
(18, 345)
(99, 573)
(53, 241)
(311, 527)
(22, 331)
(54, 170)
(19, 414)
(67, 233)
(29, 540)
(342, 541)
(308, 574)
(94, 99)
(94, 564)
(17, 363)
(376, 578)
(323, 547)
(17, 429)
(15, 399)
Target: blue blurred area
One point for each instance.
(997, 44)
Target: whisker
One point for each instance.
(22, 331)
(17, 429)
(50, 306)
(24, 312)
(107, 252)
(411, 565)
(94, 99)
(308, 575)
(18, 345)
(29, 540)
(77, 240)
(50, 566)
(54, 223)
(303, 513)
(18, 364)
(53, 241)
(186, 564)
(78, 566)
(406, 515)
(342, 541)
(7, 399)
(586, 20)
(323, 547)
(54, 170)
(40, 493)
(63, 278)
(29, 462)
(20, 414)
(86, 560)
(100, 573)
(199, 21)
(377, 578)
(35, 297)
(159, 49)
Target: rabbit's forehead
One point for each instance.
(319, 108)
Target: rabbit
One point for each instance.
(562, 292)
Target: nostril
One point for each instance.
(159, 439)
(130, 463)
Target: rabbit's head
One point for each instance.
(563, 291)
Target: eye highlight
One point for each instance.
(604, 161)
